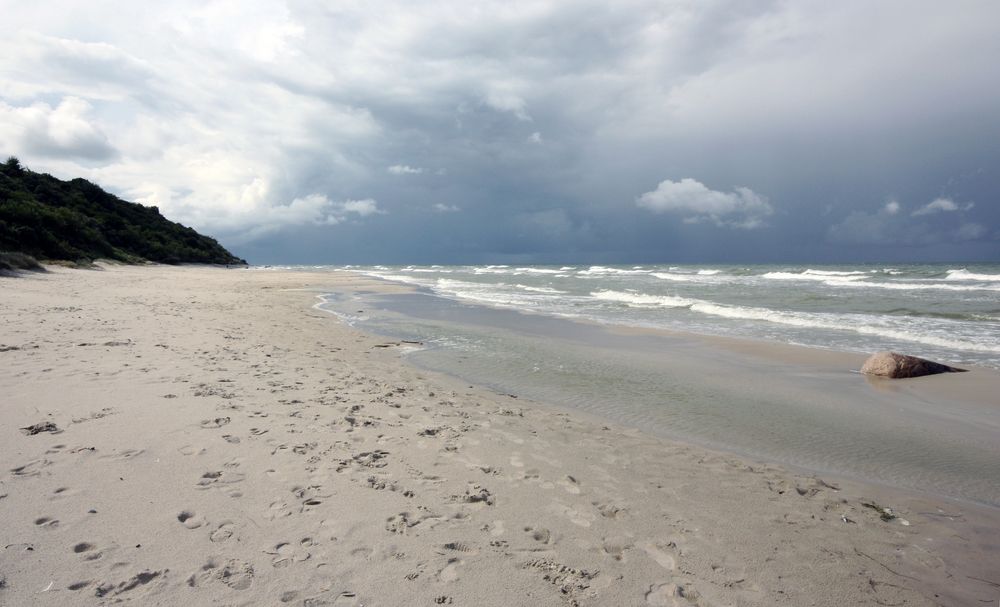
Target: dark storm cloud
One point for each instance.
(537, 131)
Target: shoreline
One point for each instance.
(344, 474)
(818, 386)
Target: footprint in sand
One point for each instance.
(78, 585)
(64, 492)
(541, 534)
(583, 519)
(32, 468)
(46, 522)
(288, 553)
(615, 547)
(497, 529)
(223, 532)
(461, 547)
(217, 422)
(190, 519)
(88, 551)
(570, 484)
(235, 573)
(215, 478)
(450, 571)
(138, 580)
(670, 595)
(124, 455)
(662, 555)
(609, 510)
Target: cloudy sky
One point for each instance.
(543, 131)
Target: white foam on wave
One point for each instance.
(812, 272)
(673, 277)
(861, 324)
(491, 293)
(604, 271)
(491, 270)
(913, 286)
(814, 275)
(708, 272)
(838, 322)
(541, 289)
(536, 271)
(410, 280)
(642, 300)
(964, 274)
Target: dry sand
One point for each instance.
(219, 441)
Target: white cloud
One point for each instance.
(446, 208)
(535, 137)
(66, 131)
(942, 205)
(314, 209)
(364, 208)
(404, 169)
(504, 100)
(741, 208)
(891, 208)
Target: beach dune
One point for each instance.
(190, 435)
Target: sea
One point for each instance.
(946, 312)
(626, 343)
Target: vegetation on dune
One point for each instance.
(51, 219)
(16, 262)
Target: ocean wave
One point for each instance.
(547, 290)
(410, 280)
(964, 274)
(861, 324)
(674, 277)
(836, 322)
(483, 293)
(536, 271)
(604, 271)
(913, 286)
(708, 272)
(812, 272)
(642, 300)
(491, 270)
(815, 275)
(860, 281)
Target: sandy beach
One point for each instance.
(194, 435)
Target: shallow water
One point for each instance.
(815, 418)
(947, 312)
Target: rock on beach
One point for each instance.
(899, 366)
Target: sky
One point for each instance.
(574, 131)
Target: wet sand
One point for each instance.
(207, 436)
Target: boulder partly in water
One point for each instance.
(898, 366)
